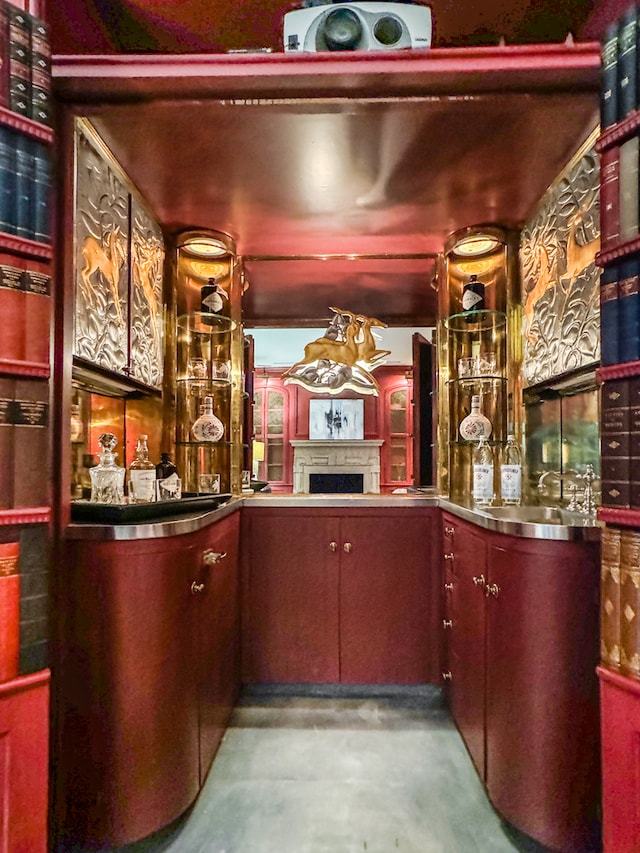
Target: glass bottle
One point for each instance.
(168, 483)
(107, 478)
(208, 427)
(210, 301)
(472, 297)
(483, 491)
(511, 473)
(77, 427)
(142, 474)
(475, 425)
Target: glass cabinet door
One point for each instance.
(274, 450)
(398, 435)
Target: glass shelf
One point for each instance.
(473, 381)
(476, 321)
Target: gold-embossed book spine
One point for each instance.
(610, 598)
(630, 603)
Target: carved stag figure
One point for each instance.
(368, 351)
(106, 260)
(146, 263)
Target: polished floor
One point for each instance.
(368, 771)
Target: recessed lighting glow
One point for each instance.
(473, 246)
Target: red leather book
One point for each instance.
(9, 610)
(12, 307)
(609, 197)
(7, 390)
(31, 444)
(610, 598)
(37, 285)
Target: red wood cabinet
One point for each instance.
(24, 764)
(522, 649)
(349, 597)
(142, 691)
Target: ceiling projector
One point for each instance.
(357, 26)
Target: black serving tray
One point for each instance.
(152, 511)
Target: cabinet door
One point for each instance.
(218, 633)
(290, 631)
(466, 646)
(542, 699)
(128, 713)
(387, 599)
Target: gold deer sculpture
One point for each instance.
(106, 260)
(146, 267)
(578, 257)
(368, 352)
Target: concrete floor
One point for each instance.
(345, 771)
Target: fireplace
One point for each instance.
(336, 483)
(342, 459)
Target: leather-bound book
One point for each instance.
(609, 316)
(7, 180)
(626, 63)
(609, 91)
(630, 603)
(40, 227)
(629, 188)
(12, 307)
(610, 197)
(610, 598)
(629, 308)
(615, 420)
(31, 444)
(9, 610)
(24, 186)
(4, 54)
(37, 337)
(40, 71)
(19, 61)
(7, 393)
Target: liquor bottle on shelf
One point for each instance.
(483, 491)
(208, 427)
(472, 298)
(77, 427)
(511, 473)
(475, 425)
(142, 475)
(210, 301)
(168, 483)
(107, 478)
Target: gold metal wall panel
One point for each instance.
(146, 320)
(560, 279)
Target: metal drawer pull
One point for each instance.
(448, 556)
(479, 580)
(493, 589)
(347, 547)
(210, 558)
(196, 588)
(449, 531)
(447, 623)
(333, 546)
(446, 676)
(448, 587)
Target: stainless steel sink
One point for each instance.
(538, 515)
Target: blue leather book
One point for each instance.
(609, 92)
(7, 180)
(627, 73)
(629, 311)
(24, 186)
(40, 203)
(609, 310)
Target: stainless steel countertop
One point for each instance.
(565, 527)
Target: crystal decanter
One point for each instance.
(107, 478)
(475, 424)
(208, 427)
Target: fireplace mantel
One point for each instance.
(340, 456)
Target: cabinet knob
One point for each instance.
(479, 580)
(492, 589)
(447, 623)
(347, 547)
(196, 588)
(448, 587)
(448, 556)
(449, 531)
(446, 676)
(333, 546)
(210, 558)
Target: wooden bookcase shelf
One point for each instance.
(28, 248)
(8, 367)
(620, 516)
(622, 250)
(25, 125)
(625, 370)
(26, 515)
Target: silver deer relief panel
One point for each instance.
(147, 260)
(559, 276)
(101, 260)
